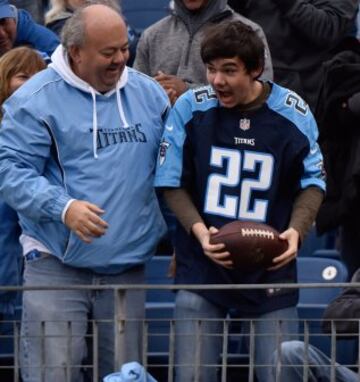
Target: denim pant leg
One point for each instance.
(53, 323)
(134, 312)
(290, 366)
(270, 330)
(198, 330)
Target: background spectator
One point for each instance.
(338, 116)
(169, 50)
(34, 7)
(301, 36)
(16, 66)
(18, 28)
(344, 314)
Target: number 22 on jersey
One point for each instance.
(233, 163)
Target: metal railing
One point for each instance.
(159, 340)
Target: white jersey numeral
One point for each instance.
(217, 202)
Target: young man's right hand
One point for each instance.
(212, 251)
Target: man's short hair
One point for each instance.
(233, 39)
(73, 32)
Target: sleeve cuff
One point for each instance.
(67, 205)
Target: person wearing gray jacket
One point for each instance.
(169, 50)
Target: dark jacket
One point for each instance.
(344, 311)
(340, 139)
(301, 34)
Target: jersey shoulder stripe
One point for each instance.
(291, 106)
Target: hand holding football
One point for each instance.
(251, 245)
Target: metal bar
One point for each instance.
(95, 333)
(16, 351)
(42, 350)
(68, 351)
(224, 350)
(252, 351)
(333, 352)
(119, 327)
(198, 350)
(171, 361)
(306, 350)
(116, 287)
(145, 342)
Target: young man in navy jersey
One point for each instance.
(239, 149)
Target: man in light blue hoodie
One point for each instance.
(78, 147)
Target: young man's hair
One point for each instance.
(234, 39)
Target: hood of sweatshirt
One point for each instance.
(60, 63)
(194, 20)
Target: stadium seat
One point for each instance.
(140, 14)
(327, 253)
(313, 242)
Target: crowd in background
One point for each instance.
(311, 48)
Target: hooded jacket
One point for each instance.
(62, 140)
(28, 32)
(301, 35)
(172, 45)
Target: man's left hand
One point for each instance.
(292, 237)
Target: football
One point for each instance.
(251, 245)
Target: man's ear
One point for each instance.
(74, 54)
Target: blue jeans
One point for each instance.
(199, 328)
(289, 367)
(55, 323)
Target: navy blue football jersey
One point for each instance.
(239, 165)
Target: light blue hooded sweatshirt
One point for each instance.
(61, 140)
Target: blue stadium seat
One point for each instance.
(320, 270)
(327, 253)
(140, 14)
(314, 242)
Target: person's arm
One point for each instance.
(28, 32)
(25, 146)
(141, 62)
(305, 209)
(303, 216)
(179, 201)
(324, 23)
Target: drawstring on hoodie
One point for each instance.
(95, 128)
(120, 108)
(95, 124)
(60, 63)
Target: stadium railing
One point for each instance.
(159, 336)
